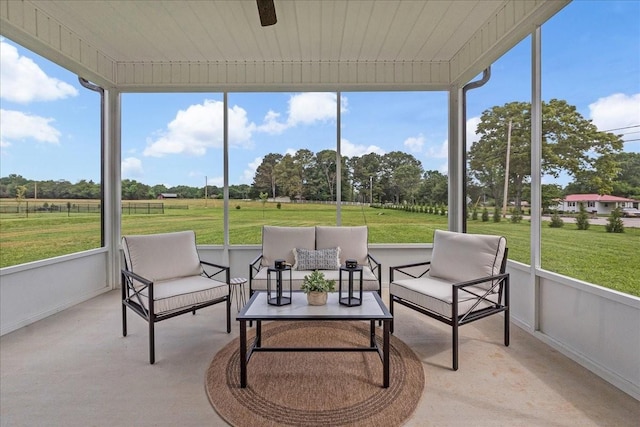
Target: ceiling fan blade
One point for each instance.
(267, 12)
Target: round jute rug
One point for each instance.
(315, 388)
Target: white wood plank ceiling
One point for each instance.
(315, 45)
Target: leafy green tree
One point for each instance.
(21, 192)
(327, 168)
(366, 171)
(582, 219)
(400, 175)
(288, 176)
(263, 200)
(551, 194)
(570, 143)
(434, 187)
(627, 183)
(265, 177)
(157, 190)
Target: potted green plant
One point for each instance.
(316, 286)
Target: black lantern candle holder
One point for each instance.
(277, 292)
(352, 299)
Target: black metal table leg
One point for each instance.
(372, 334)
(385, 354)
(243, 354)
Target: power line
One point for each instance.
(626, 127)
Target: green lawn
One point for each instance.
(593, 255)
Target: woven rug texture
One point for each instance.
(315, 388)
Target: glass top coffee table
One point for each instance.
(257, 310)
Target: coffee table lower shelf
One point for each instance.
(257, 310)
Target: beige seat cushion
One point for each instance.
(278, 242)
(176, 294)
(164, 256)
(458, 257)
(352, 241)
(436, 294)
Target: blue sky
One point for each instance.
(49, 123)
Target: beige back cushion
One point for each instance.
(279, 242)
(162, 256)
(352, 241)
(460, 256)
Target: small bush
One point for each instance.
(582, 219)
(485, 215)
(556, 221)
(496, 215)
(279, 205)
(474, 215)
(516, 216)
(614, 223)
(237, 206)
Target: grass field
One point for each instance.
(593, 255)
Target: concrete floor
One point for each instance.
(76, 369)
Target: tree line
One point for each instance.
(571, 144)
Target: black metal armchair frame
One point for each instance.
(499, 284)
(132, 298)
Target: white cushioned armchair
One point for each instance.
(164, 277)
(464, 281)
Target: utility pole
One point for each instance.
(506, 174)
(205, 191)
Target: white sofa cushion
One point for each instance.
(322, 259)
(278, 242)
(351, 240)
(164, 256)
(458, 257)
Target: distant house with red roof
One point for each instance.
(595, 203)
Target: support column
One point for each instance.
(536, 174)
(112, 183)
(456, 180)
(225, 155)
(338, 163)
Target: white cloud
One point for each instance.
(311, 107)
(271, 124)
(439, 152)
(23, 81)
(306, 108)
(444, 168)
(472, 126)
(199, 128)
(350, 150)
(414, 143)
(616, 111)
(218, 181)
(16, 125)
(248, 174)
(131, 167)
